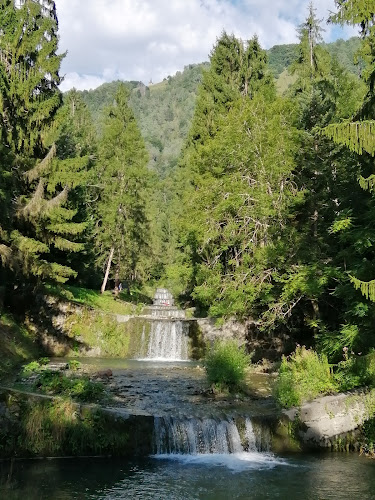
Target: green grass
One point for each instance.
(284, 81)
(92, 298)
(96, 329)
(17, 344)
(54, 428)
(80, 389)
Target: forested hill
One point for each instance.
(280, 57)
(164, 110)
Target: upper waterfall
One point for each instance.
(164, 306)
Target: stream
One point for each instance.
(205, 446)
(207, 477)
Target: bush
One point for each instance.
(302, 376)
(30, 368)
(226, 363)
(356, 372)
(79, 388)
(74, 365)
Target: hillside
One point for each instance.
(164, 110)
(282, 56)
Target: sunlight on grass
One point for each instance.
(92, 298)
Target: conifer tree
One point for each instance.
(122, 227)
(233, 169)
(38, 236)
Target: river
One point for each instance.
(261, 476)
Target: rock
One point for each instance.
(104, 374)
(324, 419)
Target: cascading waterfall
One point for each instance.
(209, 436)
(168, 339)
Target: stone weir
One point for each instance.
(166, 333)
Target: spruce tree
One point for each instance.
(122, 230)
(236, 172)
(42, 229)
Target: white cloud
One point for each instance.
(143, 39)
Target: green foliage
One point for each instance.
(17, 344)
(122, 174)
(94, 299)
(74, 365)
(163, 111)
(58, 428)
(226, 364)
(282, 57)
(78, 388)
(102, 330)
(31, 367)
(356, 371)
(368, 433)
(303, 376)
(42, 227)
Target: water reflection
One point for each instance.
(333, 476)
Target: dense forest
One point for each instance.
(246, 201)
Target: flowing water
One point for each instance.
(188, 477)
(208, 456)
(204, 436)
(169, 336)
(168, 341)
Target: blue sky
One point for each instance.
(143, 39)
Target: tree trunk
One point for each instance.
(117, 283)
(107, 271)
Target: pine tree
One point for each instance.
(122, 229)
(29, 72)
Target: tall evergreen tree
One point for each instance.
(122, 229)
(237, 177)
(316, 280)
(41, 225)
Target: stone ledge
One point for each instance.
(323, 420)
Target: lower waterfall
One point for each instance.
(208, 436)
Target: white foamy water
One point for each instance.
(168, 341)
(237, 462)
(210, 441)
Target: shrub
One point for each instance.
(79, 388)
(74, 365)
(226, 363)
(31, 367)
(356, 372)
(303, 376)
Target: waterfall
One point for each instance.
(193, 436)
(168, 341)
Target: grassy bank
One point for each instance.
(17, 344)
(125, 304)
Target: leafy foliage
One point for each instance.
(123, 178)
(302, 376)
(226, 364)
(78, 388)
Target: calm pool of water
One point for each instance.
(209, 477)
